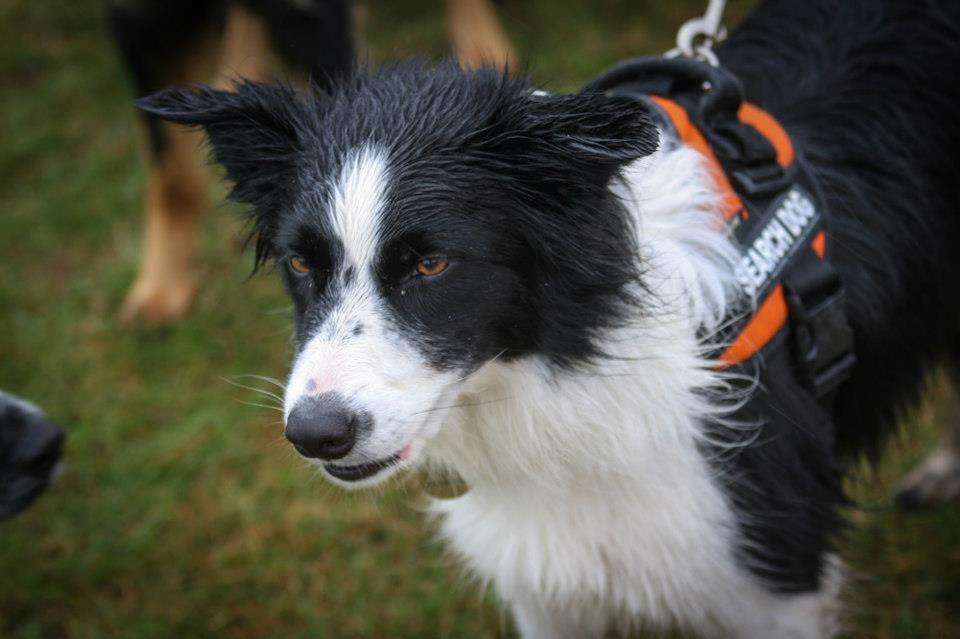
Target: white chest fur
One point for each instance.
(590, 499)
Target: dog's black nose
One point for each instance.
(322, 427)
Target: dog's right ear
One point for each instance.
(254, 133)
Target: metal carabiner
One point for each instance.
(696, 37)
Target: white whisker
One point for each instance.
(279, 410)
(254, 389)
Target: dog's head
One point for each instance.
(425, 222)
(30, 447)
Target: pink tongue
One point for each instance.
(405, 453)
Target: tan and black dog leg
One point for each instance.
(937, 479)
(166, 42)
(245, 53)
(176, 194)
(478, 37)
(313, 37)
(175, 200)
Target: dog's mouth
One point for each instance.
(366, 470)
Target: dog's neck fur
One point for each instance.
(498, 437)
(557, 463)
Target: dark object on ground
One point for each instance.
(30, 447)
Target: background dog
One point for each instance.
(181, 42)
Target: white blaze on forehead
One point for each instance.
(358, 201)
(355, 349)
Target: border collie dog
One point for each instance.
(523, 289)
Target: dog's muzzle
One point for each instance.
(30, 447)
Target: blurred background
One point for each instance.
(181, 511)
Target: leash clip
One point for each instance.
(696, 37)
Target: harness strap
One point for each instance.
(765, 208)
(730, 203)
(770, 129)
(773, 311)
(823, 339)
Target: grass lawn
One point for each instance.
(181, 512)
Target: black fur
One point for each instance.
(868, 92)
(30, 446)
(312, 36)
(511, 183)
(514, 186)
(782, 475)
(158, 39)
(155, 39)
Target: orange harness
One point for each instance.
(772, 312)
(766, 207)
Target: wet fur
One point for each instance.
(558, 367)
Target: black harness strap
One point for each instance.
(778, 226)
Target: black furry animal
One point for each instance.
(30, 447)
(521, 287)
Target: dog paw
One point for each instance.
(935, 481)
(154, 301)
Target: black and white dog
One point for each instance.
(521, 288)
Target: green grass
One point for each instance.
(180, 511)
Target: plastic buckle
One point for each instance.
(762, 180)
(829, 379)
(823, 338)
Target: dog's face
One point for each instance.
(425, 222)
(397, 298)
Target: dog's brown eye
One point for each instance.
(298, 265)
(429, 266)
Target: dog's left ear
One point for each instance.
(598, 133)
(253, 131)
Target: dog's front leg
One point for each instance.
(538, 620)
